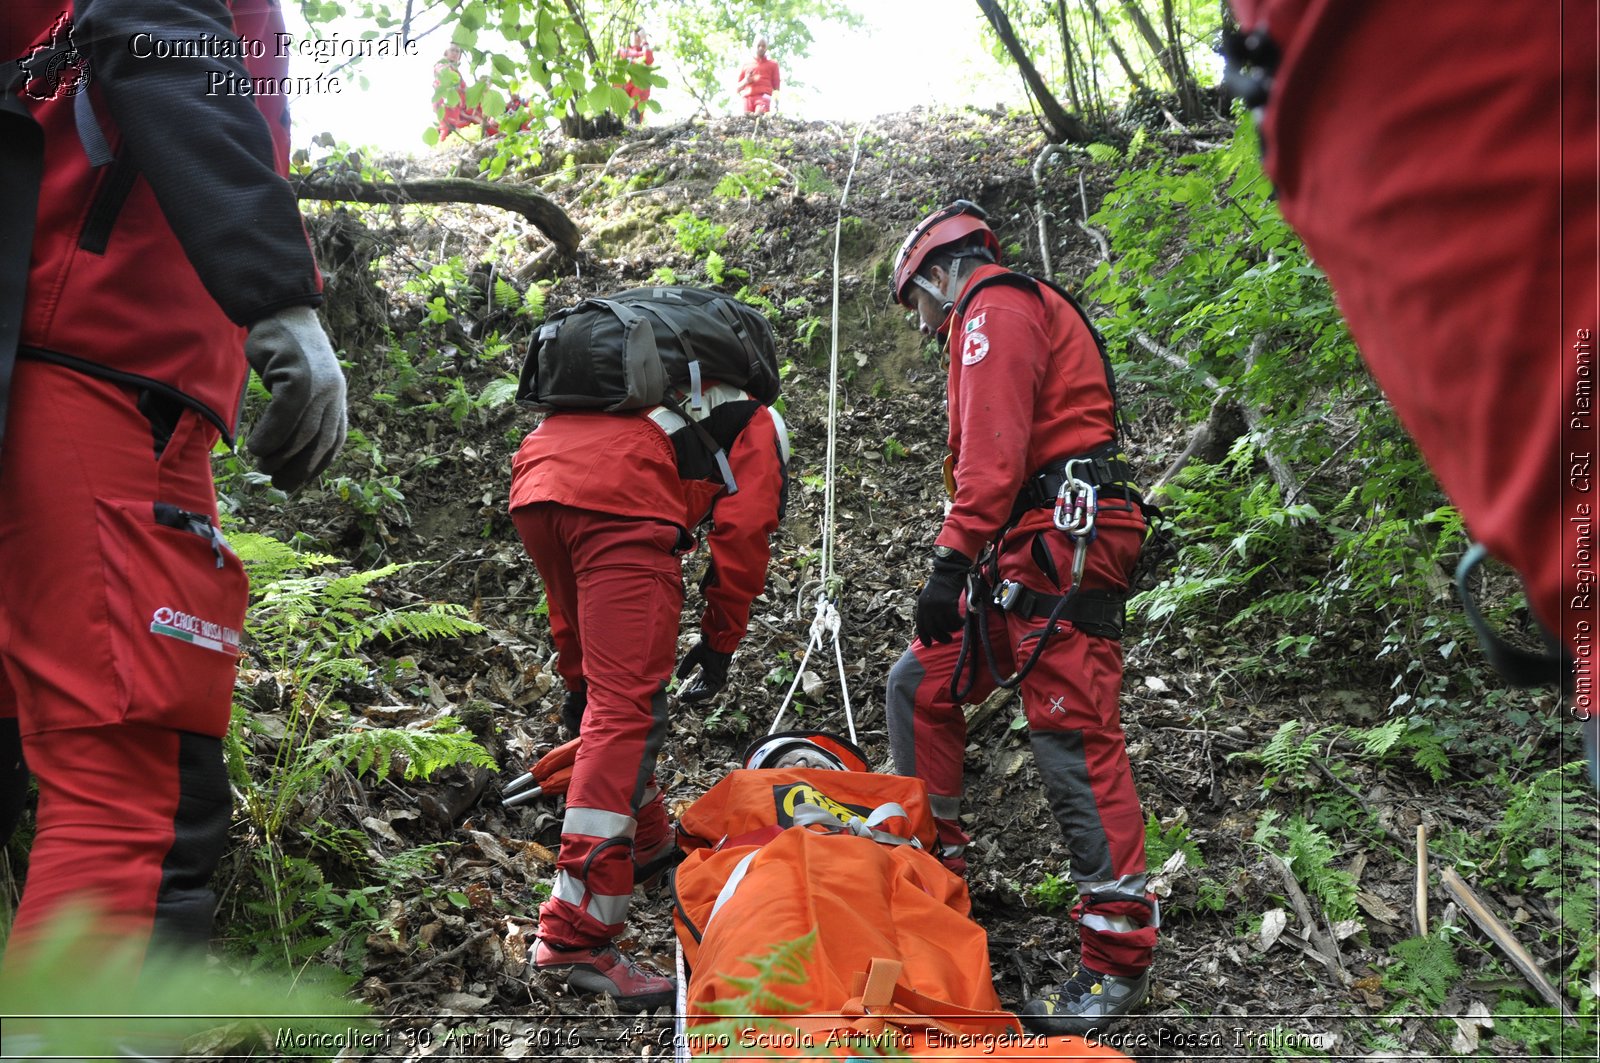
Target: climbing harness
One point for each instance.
(1073, 489)
(825, 625)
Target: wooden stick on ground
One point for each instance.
(1489, 924)
(1419, 909)
(1324, 948)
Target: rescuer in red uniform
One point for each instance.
(1455, 210)
(1032, 422)
(151, 253)
(638, 51)
(758, 81)
(605, 503)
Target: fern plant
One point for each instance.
(1310, 854)
(745, 1022)
(1424, 968)
(307, 632)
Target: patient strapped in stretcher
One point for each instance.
(807, 858)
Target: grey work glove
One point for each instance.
(303, 426)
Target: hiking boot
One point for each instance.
(649, 870)
(1088, 1001)
(604, 969)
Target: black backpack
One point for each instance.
(636, 349)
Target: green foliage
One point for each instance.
(1053, 892)
(1411, 735)
(1288, 756)
(708, 38)
(893, 449)
(312, 634)
(122, 1000)
(697, 235)
(1424, 968)
(756, 177)
(1160, 844)
(744, 1016)
(1310, 854)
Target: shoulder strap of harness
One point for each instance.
(1030, 283)
(21, 176)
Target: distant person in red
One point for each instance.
(1454, 210)
(758, 81)
(637, 52)
(448, 84)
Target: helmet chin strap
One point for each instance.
(947, 303)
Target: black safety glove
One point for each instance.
(572, 710)
(713, 672)
(939, 604)
(301, 430)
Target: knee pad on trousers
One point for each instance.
(185, 902)
(13, 778)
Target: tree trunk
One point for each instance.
(545, 213)
(1141, 22)
(1070, 51)
(1191, 99)
(1116, 49)
(1059, 125)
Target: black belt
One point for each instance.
(1092, 611)
(1101, 469)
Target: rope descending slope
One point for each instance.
(826, 621)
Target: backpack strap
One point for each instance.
(21, 176)
(746, 340)
(696, 387)
(718, 454)
(643, 372)
(1027, 282)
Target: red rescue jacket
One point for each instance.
(623, 463)
(1453, 206)
(1027, 387)
(148, 269)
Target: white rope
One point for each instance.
(826, 622)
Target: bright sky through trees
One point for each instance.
(910, 52)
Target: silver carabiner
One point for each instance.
(1076, 503)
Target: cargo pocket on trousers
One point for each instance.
(176, 596)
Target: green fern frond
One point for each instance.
(1287, 756)
(1104, 154)
(1311, 855)
(443, 744)
(533, 303)
(506, 294)
(783, 964)
(1430, 756)
(1423, 967)
(497, 393)
(1136, 145)
(1376, 741)
(435, 621)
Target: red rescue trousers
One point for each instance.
(614, 586)
(1075, 729)
(119, 634)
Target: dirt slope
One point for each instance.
(454, 970)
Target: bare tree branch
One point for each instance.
(542, 211)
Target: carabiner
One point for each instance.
(1076, 503)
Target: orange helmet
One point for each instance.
(948, 225)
